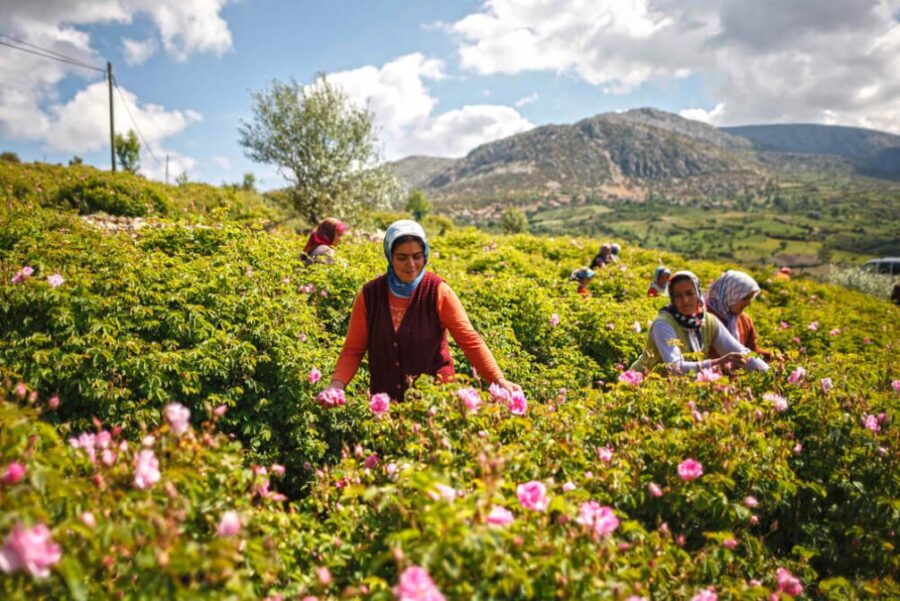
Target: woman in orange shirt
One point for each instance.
(727, 298)
(401, 320)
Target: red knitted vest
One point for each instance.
(418, 347)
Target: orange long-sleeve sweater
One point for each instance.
(452, 316)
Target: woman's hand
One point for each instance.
(508, 386)
(335, 385)
(730, 362)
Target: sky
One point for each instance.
(439, 77)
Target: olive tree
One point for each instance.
(323, 144)
(128, 151)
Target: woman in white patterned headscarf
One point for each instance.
(727, 298)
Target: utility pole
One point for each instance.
(112, 127)
(167, 169)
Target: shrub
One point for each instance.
(121, 195)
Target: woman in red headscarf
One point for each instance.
(327, 234)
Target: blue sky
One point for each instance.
(441, 77)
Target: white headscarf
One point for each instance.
(731, 287)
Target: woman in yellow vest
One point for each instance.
(684, 326)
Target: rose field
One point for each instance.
(162, 434)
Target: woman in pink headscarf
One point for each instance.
(319, 247)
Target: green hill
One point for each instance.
(199, 309)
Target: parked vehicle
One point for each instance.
(883, 266)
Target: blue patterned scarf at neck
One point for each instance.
(398, 229)
(689, 322)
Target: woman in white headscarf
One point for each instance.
(684, 326)
(727, 298)
(401, 320)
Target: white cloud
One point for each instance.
(137, 52)
(178, 164)
(526, 99)
(712, 117)
(403, 108)
(222, 161)
(769, 60)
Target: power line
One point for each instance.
(44, 53)
(140, 133)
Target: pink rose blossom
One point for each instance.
(499, 394)
(379, 403)
(220, 410)
(14, 472)
(780, 403)
(391, 469)
(637, 327)
(146, 469)
(518, 405)
(689, 469)
(834, 332)
(813, 326)
(22, 274)
(654, 489)
(179, 417)
(30, 550)
(416, 585)
(896, 385)
(277, 469)
(499, 516)
(797, 375)
(331, 397)
(631, 377)
(707, 594)
(750, 501)
(470, 398)
(314, 375)
(787, 582)
(871, 422)
(371, 461)
(533, 495)
(708, 375)
(569, 486)
(798, 448)
(229, 524)
(599, 519)
(447, 492)
(55, 280)
(729, 543)
(20, 390)
(87, 518)
(324, 575)
(605, 454)
(108, 457)
(826, 385)
(554, 320)
(784, 325)
(636, 598)
(53, 402)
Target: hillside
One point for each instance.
(162, 434)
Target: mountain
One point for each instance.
(415, 171)
(871, 152)
(614, 155)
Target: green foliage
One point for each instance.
(324, 145)
(9, 156)
(514, 221)
(249, 182)
(116, 196)
(417, 204)
(230, 316)
(128, 151)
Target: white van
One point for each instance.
(883, 266)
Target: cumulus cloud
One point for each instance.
(137, 52)
(827, 61)
(526, 100)
(30, 106)
(403, 106)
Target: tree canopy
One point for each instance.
(128, 151)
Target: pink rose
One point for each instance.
(447, 492)
(470, 398)
(179, 418)
(777, 400)
(797, 375)
(371, 461)
(729, 543)
(690, 469)
(826, 385)
(787, 582)
(871, 422)
(55, 280)
(637, 327)
(518, 405)
(20, 390)
(277, 469)
(533, 495)
(324, 575)
(708, 375)
(220, 410)
(784, 325)
(53, 402)
(331, 397)
(813, 326)
(499, 516)
(631, 377)
(554, 320)
(569, 486)
(707, 594)
(87, 518)
(599, 519)
(379, 403)
(30, 550)
(416, 585)
(14, 472)
(654, 489)
(146, 469)
(605, 454)
(22, 274)
(896, 385)
(750, 501)
(229, 524)
(314, 375)
(499, 394)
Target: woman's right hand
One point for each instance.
(335, 385)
